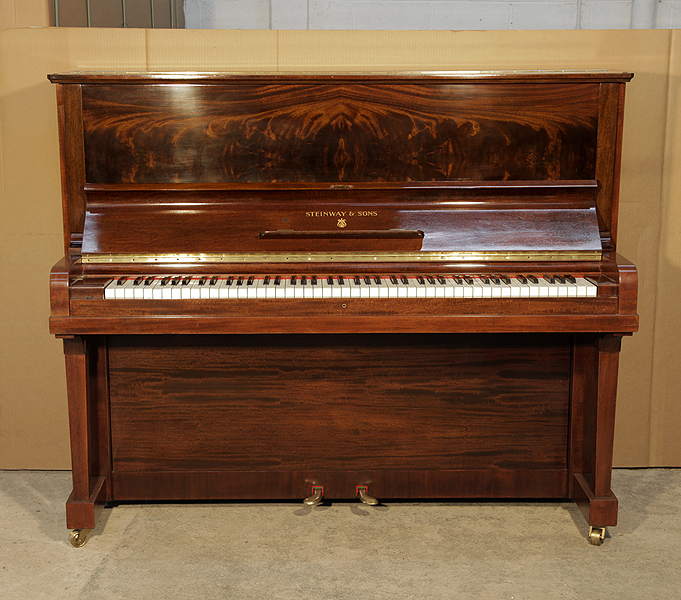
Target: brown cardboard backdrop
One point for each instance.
(33, 419)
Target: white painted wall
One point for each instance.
(432, 14)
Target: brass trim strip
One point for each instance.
(342, 257)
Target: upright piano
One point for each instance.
(341, 287)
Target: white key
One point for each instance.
(505, 289)
(194, 289)
(204, 290)
(335, 289)
(110, 290)
(430, 288)
(268, 290)
(383, 288)
(590, 289)
(518, 290)
(226, 289)
(251, 287)
(185, 288)
(214, 288)
(124, 291)
(148, 288)
(298, 289)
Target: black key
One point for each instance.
(495, 280)
(357, 280)
(230, 280)
(165, 280)
(148, 281)
(341, 280)
(404, 280)
(293, 280)
(377, 280)
(250, 281)
(421, 280)
(303, 280)
(138, 280)
(329, 280)
(430, 279)
(560, 279)
(277, 280)
(505, 279)
(484, 279)
(203, 280)
(240, 281)
(550, 278)
(267, 280)
(122, 280)
(186, 280)
(521, 279)
(367, 280)
(457, 280)
(468, 280)
(214, 280)
(175, 281)
(393, 280)
(314, 280)
(570, 279)
(441, 279)
(533, 279)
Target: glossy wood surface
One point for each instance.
(503, 220)
(339, 402)
(258, 399)
(344, 132)
(421, 484)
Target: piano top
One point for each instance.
(498, 76)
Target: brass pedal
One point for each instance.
(316, 497)
(363, 494)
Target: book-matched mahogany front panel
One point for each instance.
(339, 402)
(331, 131)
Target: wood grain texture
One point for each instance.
(71, 146)
(339, 133)
(59, 288)
(282, 324)
(339, 402)
(340, 485)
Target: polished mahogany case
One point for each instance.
(467, 188)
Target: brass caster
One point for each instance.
(363, 495)
(78, 537)
(317, 496)
(597, 535)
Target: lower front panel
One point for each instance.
(268, 416)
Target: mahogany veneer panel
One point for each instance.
(294, 485)
(291, 403)
(335, 131)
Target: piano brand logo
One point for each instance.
(341, 223)
(341, 213)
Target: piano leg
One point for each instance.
(88, 424)
(593, 476)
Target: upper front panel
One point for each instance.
(340, 132)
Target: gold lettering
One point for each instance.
(340, 213)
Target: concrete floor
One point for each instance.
(279, 551)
